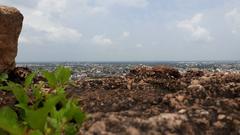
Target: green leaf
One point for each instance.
(71, 129)
(28, 80)
(5, 88)
(53, 122)
(79, 116)
(2, 132)
(8, 121)
(41, 114)
(69, 111)
(19, 92)
(36, 132)
(51, 78)
(62, 75)
(3, 77)
(38, 95)
(37, 92)
(60, 90)
(59, 77)
(72, 111)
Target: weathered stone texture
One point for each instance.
(10, 27)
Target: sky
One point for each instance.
(128, 30)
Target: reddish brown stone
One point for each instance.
(10, 27)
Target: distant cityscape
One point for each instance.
(106, 69)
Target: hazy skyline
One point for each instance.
(128, 30)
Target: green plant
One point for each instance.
(3, 78)
(59, 78)
(38, 113)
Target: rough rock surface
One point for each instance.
(162, 101)
(157, 103)
(10, 27)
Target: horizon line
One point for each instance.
(146, 61)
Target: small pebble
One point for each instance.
(182, 111)
(204, 113)
(218, 124)
(221, 116)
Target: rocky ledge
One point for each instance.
(156, 100)
(160, 100)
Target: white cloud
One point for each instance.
(97, 10)
(102, 40)
(52, 5)
(32, 39)
(103, 7)
(62, 7)
(233, 18)
(126, 34)
(55, 31)
(197, 32)
(139, 45)
(127, 3)
(42, 16)
(41, 19)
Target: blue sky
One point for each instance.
(128, 30)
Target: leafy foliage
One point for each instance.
(9, 122)
(39, 113)
(3, 78)
(59, 78)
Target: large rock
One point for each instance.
(10, 27)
